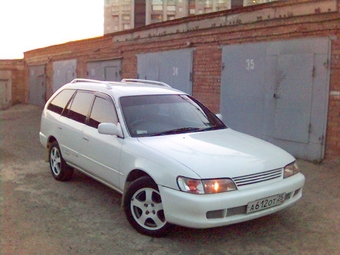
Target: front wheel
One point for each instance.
(59, 168)
(143, 208)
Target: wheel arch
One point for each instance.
(50, 140)
(132, 176)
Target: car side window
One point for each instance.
(80, 106)
(60, 101)
(103, 110)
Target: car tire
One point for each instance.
(143, 208)
(59, 168)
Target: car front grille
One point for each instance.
(258, 177)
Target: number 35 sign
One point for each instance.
(250, 64)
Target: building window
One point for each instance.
(208, 3)
(156, 17)
(126, 26)
(171, 8)
(157, 7)
(114, 11)
(126, 7)
(126, 17)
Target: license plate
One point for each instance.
(265, 203)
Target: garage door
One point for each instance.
(278, 91)
(171, 67)
(106, 70)
(4, 98)
(37, 85)
(63, 72)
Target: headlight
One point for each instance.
(290, 170)
(210, 186)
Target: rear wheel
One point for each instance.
(59, 168)
(143, 208)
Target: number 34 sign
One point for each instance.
(175, 71)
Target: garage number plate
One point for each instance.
(265, 203)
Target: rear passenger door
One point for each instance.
(71, 125)
(101, 153)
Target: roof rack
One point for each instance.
(147, 82)
(106, 83)
(109, 83)
(86, 80)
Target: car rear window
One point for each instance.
(60, 101)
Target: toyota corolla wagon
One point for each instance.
(171, 158)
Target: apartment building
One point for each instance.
(127, 14)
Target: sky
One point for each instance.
(31, 24)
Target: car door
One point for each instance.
(71, 125)
(101, 153)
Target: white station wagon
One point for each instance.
(173, 160)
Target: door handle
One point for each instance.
(86, 139)
(276, 96)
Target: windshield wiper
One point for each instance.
(178, 131)
(212, 128)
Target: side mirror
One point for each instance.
(218, 115)
(110, 129)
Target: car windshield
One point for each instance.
(156, 115)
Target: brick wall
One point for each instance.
(333, 127)
(15, 74)
(207, 75)
(291, 19)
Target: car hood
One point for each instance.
(220, 153)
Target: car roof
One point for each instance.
(126, 87)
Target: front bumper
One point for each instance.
(213, 210)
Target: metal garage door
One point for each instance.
(63, 72)
(172, 67)
(293, 97)
(278, 91)
(37, 94)
(108, 70)
(5, 100)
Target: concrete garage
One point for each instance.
(241, 62)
